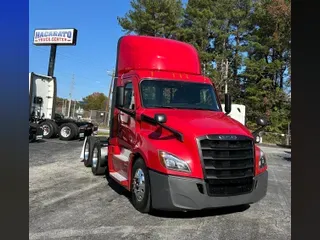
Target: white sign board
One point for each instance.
(55, 36)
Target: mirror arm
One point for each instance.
(130, 113)
(150, 120)
(254, 133)
(177, 134)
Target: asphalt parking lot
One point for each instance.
(67, 202)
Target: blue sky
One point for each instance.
(95, 52)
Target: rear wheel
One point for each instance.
(67, 131)
(140, 188)
(96, 159)
(77, 131)
(55, 128)
(32, 136)
(88, 151)
(48, 129)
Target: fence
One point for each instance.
(97, 117)
(62, 107)
(276, 138)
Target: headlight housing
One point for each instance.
(262, 160)
(172, 162)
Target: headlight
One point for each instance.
(262, 160)
(172, 162)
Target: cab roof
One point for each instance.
(156, 54)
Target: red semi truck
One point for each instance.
(170, 143)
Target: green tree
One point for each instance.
(246, 43)
(95, 101)
(268, 63)
(218, 29)
(161, 18)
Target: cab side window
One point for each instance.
(128, 97)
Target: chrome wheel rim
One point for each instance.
(95, 158)
(65, 132)
(46, 130)
(86, 152)
(139, 185)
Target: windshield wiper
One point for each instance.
(180, 107)
(160, 106)
(199, 108)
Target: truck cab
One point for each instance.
(171, 144)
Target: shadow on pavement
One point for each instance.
(118, 188)
(38, 141)
(286, 157)
(201, 213)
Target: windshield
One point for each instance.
(178, 94)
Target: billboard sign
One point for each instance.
(55, 36)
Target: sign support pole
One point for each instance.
(52, 59)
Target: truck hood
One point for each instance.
(199, 123)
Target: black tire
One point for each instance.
(32, 137)
(96, 159)
(56, 129)
(67, 131)
(48, 129)
(103, 139)
(89, 147)
(144, 204)
(77, 131)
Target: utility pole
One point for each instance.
(74, 108)
(70, 94)
(109, 96)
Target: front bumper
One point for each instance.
(37, 131)
(181, 193)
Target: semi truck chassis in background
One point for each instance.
(42, 94)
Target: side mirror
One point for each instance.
(227, 103)
(262, 121)
(160, 118)
(120, 96)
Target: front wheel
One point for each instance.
(48, 129)
(140, 188)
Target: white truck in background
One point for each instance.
(42, 102)
(238, 112)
